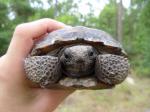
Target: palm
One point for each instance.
(16, 93)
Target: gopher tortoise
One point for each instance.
(77, 57)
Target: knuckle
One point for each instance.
(54, 23)
(44, 22)
(20, 27)
(20, 30)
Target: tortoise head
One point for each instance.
(78, 60)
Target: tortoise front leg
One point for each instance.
(43, 70)
(111, 69)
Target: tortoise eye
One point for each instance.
(67, 56)
(91, 53)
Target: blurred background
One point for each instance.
(126, 20)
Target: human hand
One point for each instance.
(16, 95)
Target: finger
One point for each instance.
(38, 28)
(22, 40)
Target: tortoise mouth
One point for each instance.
(78, 74)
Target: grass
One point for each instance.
(123, 98)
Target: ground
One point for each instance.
(126, 97)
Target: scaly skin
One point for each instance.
(78, 61)
(43, 70)
(111, 69)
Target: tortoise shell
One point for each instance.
(101, 40)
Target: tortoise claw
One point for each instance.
(111, 69)
(43, 70)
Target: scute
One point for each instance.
(78, 35)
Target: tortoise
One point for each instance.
(79, 56)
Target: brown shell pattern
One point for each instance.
(79, 35)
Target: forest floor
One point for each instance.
(130, 96)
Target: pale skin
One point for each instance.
(16, 94)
